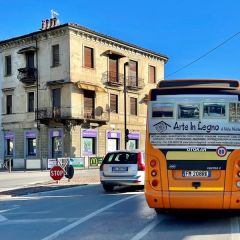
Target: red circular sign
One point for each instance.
(221, 151)
(56, 173)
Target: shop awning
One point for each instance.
(27, 49)
(89, 86)
(114, 53)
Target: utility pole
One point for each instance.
(126, 131)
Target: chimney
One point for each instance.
(47, 23)
(43, 24)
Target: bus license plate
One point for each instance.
(196, 173)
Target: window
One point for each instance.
(188, 111)
(9, 147)
(89, 145)
(162, 110)
(214, 110)
(113, 69)
(8, 65)
(133, 106)
(56, 102)
(88, 57)
(152, 74)
(89, 104)
(55, 55)
(114, 103)
(9, 104)
(31, 146)
(30, 59)
(133, 73)
(30, 106)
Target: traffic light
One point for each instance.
(126, 135)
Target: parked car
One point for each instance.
(122, 167)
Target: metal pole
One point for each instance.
(125, 104)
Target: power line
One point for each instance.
(204, 55)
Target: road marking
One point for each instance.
(2, 218)
(147, 229)
(84, 219)
(235, 235)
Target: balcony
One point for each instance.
(58, 114)
(135, 83)
(27, 75)
(98, 116)
(62, 114)
(113, 79)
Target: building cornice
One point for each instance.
(82, 32)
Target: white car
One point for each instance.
(122, 167)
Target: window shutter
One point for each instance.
(152, 74)
(8, 65)
(113, 69)
(55, 55)
(133, 106)
(114, 103)
(9, 104)
(89, 97)
(88, 57)
(133, 73)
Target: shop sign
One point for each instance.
(95, 161)
(134, 135)
(30, 134)
(56, 133)
(9, 135)
(89, 133)
(77, 162)
(113, 134)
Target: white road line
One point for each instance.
(235, 235)
(84, 219)
(147, 229)
(2, 218)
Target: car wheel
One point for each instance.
(108, 187)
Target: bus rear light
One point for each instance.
(153, 163)
(238, 174)
(238, 184)
(154, 173)
(155, 182)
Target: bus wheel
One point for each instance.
(108, 187)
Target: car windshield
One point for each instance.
(121, 158)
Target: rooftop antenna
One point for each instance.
(55, 14)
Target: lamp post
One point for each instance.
(126, 131)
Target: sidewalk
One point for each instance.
(21, 179)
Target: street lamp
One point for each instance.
(126, 131)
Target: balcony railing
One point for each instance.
(67, 113)
(113, 78)
(135, 83)
(27, 75)
(58, 113)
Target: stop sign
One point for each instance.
(56, 173)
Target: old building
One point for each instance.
(63, 92)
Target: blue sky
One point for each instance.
(183, 30)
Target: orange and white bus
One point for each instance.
(193, 145)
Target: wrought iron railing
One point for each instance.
(58, 113)
(134, 82)
(67, 113)
(27, 75)
(113, 78)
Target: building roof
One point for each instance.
(87, 30)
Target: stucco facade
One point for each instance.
(38, 133)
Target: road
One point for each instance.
(87, 212)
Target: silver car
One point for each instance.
(122, 167)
